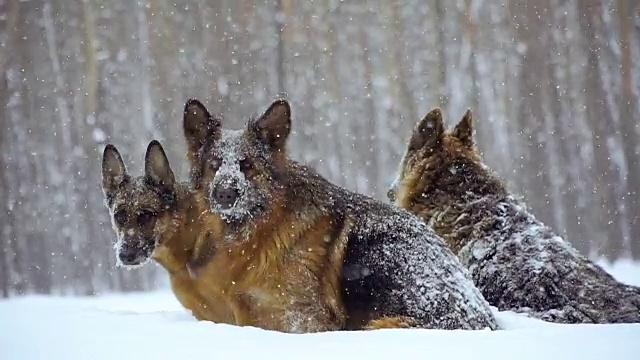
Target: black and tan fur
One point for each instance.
(291, 235)
(515, 260)
(156, 218)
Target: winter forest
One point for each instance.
(554, 87)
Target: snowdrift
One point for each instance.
(154, 326)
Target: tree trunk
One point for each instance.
(629, 122)
(608, 244)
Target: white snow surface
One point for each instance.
(154, 326)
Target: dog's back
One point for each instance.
(422, 277)
(523, 265)
(395, 265)
(516, 261)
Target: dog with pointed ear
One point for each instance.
(428, 135)
(114, 172)
(158, 173)
(463, 131)
(156, 217)
(513, 258)
(273, 127)
(425, 139)
(323, 247)
(237, 170)
(141, 208)
(200, 130)
(429, 147)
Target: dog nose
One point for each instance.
(226, 197)
(128, 255)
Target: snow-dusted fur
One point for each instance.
(515, 260)
(407, 270)
(397, 271)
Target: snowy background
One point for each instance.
(554, 87)
(153, 325)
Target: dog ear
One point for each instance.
(198, 126)
(464, 129)
(156, 166)
(429, 132)
(114, 172)
(274, 126)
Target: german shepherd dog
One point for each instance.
(303, 249)
(515, 260)
(155, 217)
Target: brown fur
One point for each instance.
(289, 232)
(516, 261)
(184, 238)
(174, 230)
(390, 323)
(282, 272)
(273, 273)
(424, 169)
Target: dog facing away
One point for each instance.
(516, 261)
(155, 217)
(289, 228)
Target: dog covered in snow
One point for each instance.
(313, 255)
(516, 261)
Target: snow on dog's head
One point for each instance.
(141, 208)
(238, 170)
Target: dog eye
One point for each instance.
(145, 217)
(120, 217)
(246, 165)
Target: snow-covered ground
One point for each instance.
(154, 326)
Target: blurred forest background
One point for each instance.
(553, 84)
